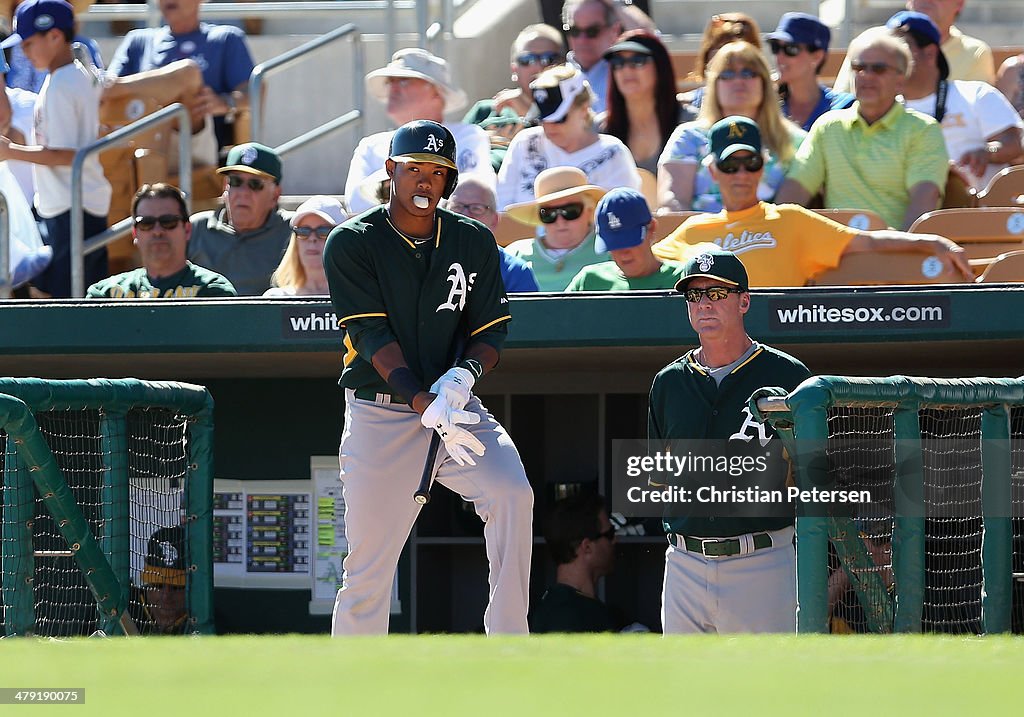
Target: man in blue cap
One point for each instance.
(625, 229)
(800, 47)
(981, 128)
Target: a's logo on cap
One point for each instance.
(540, 95)
(705, 262)
(433, 143)
(736, 131)
(248, 155)
(168, 552)
(614, 222)
(43, 22)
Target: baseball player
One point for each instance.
(725, 573)
(408, 281)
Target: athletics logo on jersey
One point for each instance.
(460, 288)
(705, 262)
(433, 144)
(748, 423)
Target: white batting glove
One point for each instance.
(458, 440)
(455, 386)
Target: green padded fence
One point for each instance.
(802, 421)
(103, 559)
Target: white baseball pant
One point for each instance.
(755, 592)
(382, 452)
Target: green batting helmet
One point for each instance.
(426, 141)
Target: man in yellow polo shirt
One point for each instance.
(783, 245)
(875, 155)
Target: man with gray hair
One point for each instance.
(591, 27)
(415, 85)
(476, 199)
(875, 155)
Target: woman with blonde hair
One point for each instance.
(739, 83)
(565, 138)
(301, 271)
(719, 32)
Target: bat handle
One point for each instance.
(422, 494)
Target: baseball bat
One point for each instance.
(422, 494)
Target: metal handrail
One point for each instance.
(231, 10)
(79, 246)
(5, 248)
(281, 62)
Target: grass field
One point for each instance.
(599, 676)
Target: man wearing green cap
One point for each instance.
(784, 244)
(727, 569)
(246, 239)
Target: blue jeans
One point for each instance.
(56, 233)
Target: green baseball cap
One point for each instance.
(714, 263)
(253, 158)
(734, 134)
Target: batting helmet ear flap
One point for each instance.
(450, 183)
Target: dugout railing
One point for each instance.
(91, 468)
(936, 546)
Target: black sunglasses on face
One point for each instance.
(731, 165)
(544, 59)
(589, 32)
(714, 293)
(617, 62)
(166, 221)
(787, 49)
(307, 233)
(872, 68)
(549, 215)
(253, 183)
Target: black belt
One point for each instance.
(718, 547)
(383, 399)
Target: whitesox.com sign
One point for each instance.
(859, 312)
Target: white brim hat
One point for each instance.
(417, 63)
(327, 208)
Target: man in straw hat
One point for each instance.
(564, 207)
(415, 85)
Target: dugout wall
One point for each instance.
(575, 374)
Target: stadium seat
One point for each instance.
(1008, 267)
(863, 219)
(983, 232)
(891, 269)
(669, 222)
(1006, 189)
(958, 193)
(649, 188)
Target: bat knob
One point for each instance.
(422, 498)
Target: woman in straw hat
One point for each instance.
(564, 206)
(565, 138)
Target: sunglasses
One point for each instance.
(873, 68)
(714, 293)
(617, 62)
(569, 212)
(731, 165)
(470, 210)
(166, 221)
(253, 183)
(544, 59)
(589, 32)
(745, 74)
(306, 233)
(607, 534)
(789, 50)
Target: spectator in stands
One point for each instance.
(581, 540)
(20, 131)
(301, 271)
(219, 50)
(564, 207)
(566, 138)
(719, 32)
(784, 245)
(1010, 81)
(625, 230)
(968, 57)
(536, 48)
(161, 231)
(642, 106)
(981, 128)
(164, 578)
(23, 76)
(245, 239)
(591, 27)
(875, 155)
(415, 85)
(800, 47)
(66, 119)
(739, 83)
(476, 200)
